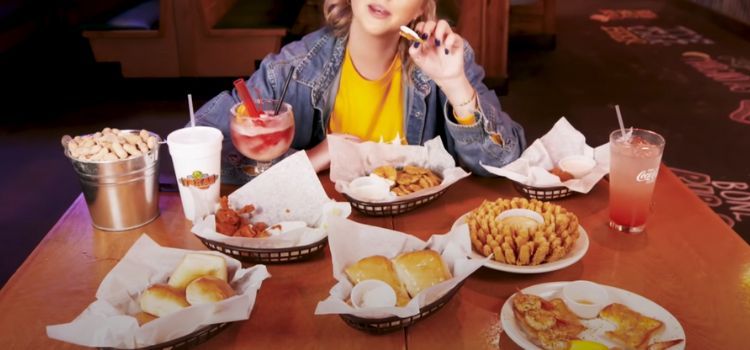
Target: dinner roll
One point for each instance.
(195, 265)
(207, 289)
(378, 267)
(161, 300)
(420, 270)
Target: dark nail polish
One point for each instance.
(416, 44)
(437, 42)
(424, 36)
(446, 51)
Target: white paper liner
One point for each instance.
(350, 160)
(561, 141)
(290, 195)
(107, 322)
(350, 241)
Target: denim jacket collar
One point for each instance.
(309, 71)
(310, 74)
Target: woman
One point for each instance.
(358, 76)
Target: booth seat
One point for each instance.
(193, 38)
(142, 39)
(229, 37)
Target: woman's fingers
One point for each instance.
(418, 28)
(427, 29)
(453, 43)
(439, 39)
(442, 29)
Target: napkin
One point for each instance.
(562, 140)
(108, 321)
(350, 241)
(290, 196)
(350, 160)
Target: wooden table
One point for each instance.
(689, 262)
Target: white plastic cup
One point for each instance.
(196, 155)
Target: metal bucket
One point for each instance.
(121, 194)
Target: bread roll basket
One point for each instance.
(187, 341)
(394, 323)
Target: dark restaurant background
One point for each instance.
(678, 67)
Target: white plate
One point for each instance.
(579, 250)
(596, 326)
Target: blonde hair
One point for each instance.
(338, 16)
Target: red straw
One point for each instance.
(246, 98)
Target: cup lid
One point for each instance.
(197, 141)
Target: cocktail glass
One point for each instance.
(263, 138)
(634, 165)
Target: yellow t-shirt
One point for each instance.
(369, 109)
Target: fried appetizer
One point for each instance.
(549, 324)
(232, 222)
(408, 180)
(522, 241)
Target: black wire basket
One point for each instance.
(392, 208)
(267, 255)
(394, 323)
(542, 193)
(187, 341)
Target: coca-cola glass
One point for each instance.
(634, 165)
(263, 138)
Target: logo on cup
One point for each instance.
(647, 176)
(199, 180)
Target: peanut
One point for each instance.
(109, 144)
(142, 147)
(131, 149)
(119, 151)
(151, 142)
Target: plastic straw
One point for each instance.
(246, 98)
(192, 113)
(283, 91)
(624, 135)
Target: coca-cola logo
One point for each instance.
(647, 176)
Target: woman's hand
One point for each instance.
(441, 57)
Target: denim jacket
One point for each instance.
(494, 138)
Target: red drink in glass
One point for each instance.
(262, 138)
(634, 165)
